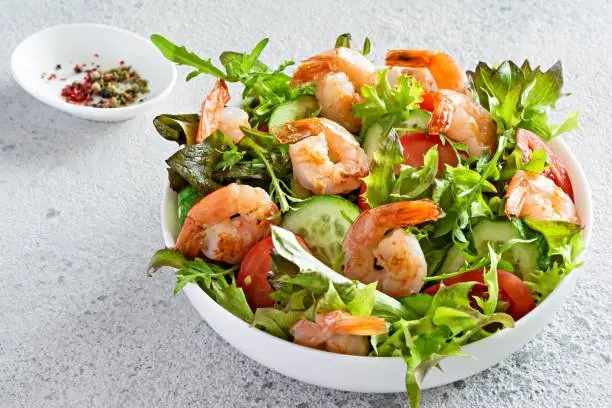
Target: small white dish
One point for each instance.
(382, 374)
(35, 60)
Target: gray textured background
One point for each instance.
(81, 324)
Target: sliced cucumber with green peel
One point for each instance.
(417, 120)
(523, 257)
(301, 107)
(453, 260)
(322, 221)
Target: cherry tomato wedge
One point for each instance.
(253, 275)
(527, 142)
(428, 102)
(415, 145)
(512, 290)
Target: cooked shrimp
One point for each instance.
(377, 249)
(338, 332)
(422, 75)
(460, 118)
(426, 65)
(326, 158)
(535, 196)
(339, 75)
(214, 115)
(230, 120)
(225, 224)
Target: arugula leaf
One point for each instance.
(211, 277)
(181, 129)
(229, 157)
(181, 56)
(521, 96)
(276, 322)
(238, 64)
(270, 152)
(343, 40)
(187, 197)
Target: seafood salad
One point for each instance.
(398, 208)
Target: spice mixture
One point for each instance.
(120, 86)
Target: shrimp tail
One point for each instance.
(442, 66)
(211, 108)
(408, 58)
(189, 241)
(406, 213)
(359, 326)
(311, 69)
(292, 132)
(517, 192)
(442, 115)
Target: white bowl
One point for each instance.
(377, 374)
(73, 44)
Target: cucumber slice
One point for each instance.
(323, 222)
(523, 257)
(453, 260)
(416, 120)
(302, 107)
(372, 139)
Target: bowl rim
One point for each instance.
(577, 177)
(80, 109)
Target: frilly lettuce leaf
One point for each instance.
(276, 322)
(449, 323)
(217, 281)
(382, 99)
(521, 96)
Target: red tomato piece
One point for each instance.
(512, 290)
(527, 142)
(428, 102)
(253, 274)
(415, 145)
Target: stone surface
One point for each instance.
(81, 324)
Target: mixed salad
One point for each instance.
(398, 211)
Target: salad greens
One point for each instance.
(475, 238)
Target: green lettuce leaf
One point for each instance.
(563, 238)
(363, 301)
(217, 281)
(182, 56)
(287, 246)
(181, 129)
(412, 182)
(449, 323)
(187, 197)
(521, 96)
(382, 99)
(276, 322)
(381, 180)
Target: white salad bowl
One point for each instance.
(381, 374)
(35, 59)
